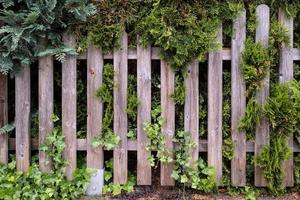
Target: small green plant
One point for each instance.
(37, 185)
(195, 175)
(156, 139)
(107, 138)
(116, 189)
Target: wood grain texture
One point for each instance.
(3, 119)
(286, 74)
(168, 115)
(215, 76)
(69, 107)
(144, 113)
(262, 129)
(22, 118)
(46, 91)
(95, 156)
(155, 54)
(120, 114)
(191, 107)
(238, 101)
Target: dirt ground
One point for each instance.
(162, 193)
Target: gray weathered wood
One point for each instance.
(155, 54)
(69, 106)
(238, 101)
(286, 74)
(22, 118)
(262, 129)
(144, 113)
(215, 76)
(3, 119)
(191, 107)
(95, 156)
(168, 115)
(120, 115)
(45, 107)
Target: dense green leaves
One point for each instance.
(26, 23)
(37, 185)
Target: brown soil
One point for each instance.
(165, 193)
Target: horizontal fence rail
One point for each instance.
(22, 144)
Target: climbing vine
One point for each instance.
(37, 185)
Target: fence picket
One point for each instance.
(215, 86)
(45, 107)
(120, 115)
(69, 107)
(95, 156)
(3, 119)
(262, 129)
(168, 114)
(23, 103)
(191, 107)
(144, 113)
(238, 102)
(286, 74)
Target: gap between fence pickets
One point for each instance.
(132, 145)
(155, 54)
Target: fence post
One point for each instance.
(286, 74)
(22, 90)
(262, 129)
(69, 106)
(3, 119)
(238, 101)
(120, 115)
(144, 113)
(168, 115)
(45, 107)
(95, 64)
(215, 76)
(191, 107)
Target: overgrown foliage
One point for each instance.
(37, 185)
(116, 189)
(28, 24)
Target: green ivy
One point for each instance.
(116, 189)
(195, 175)
(156, 138)
(37, 185)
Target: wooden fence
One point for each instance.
(23, 145)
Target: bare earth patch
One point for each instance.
(164, 193)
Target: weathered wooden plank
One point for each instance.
(168, 114)
(46, 91)
(286, 74)
(69, 106)
(95, 156)
(120, 115)
(3, 119)
(22, 118)
(215, 76)
(238, 102)
(191, 107)
(155, 54)
(144, 113)
(262, 129)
